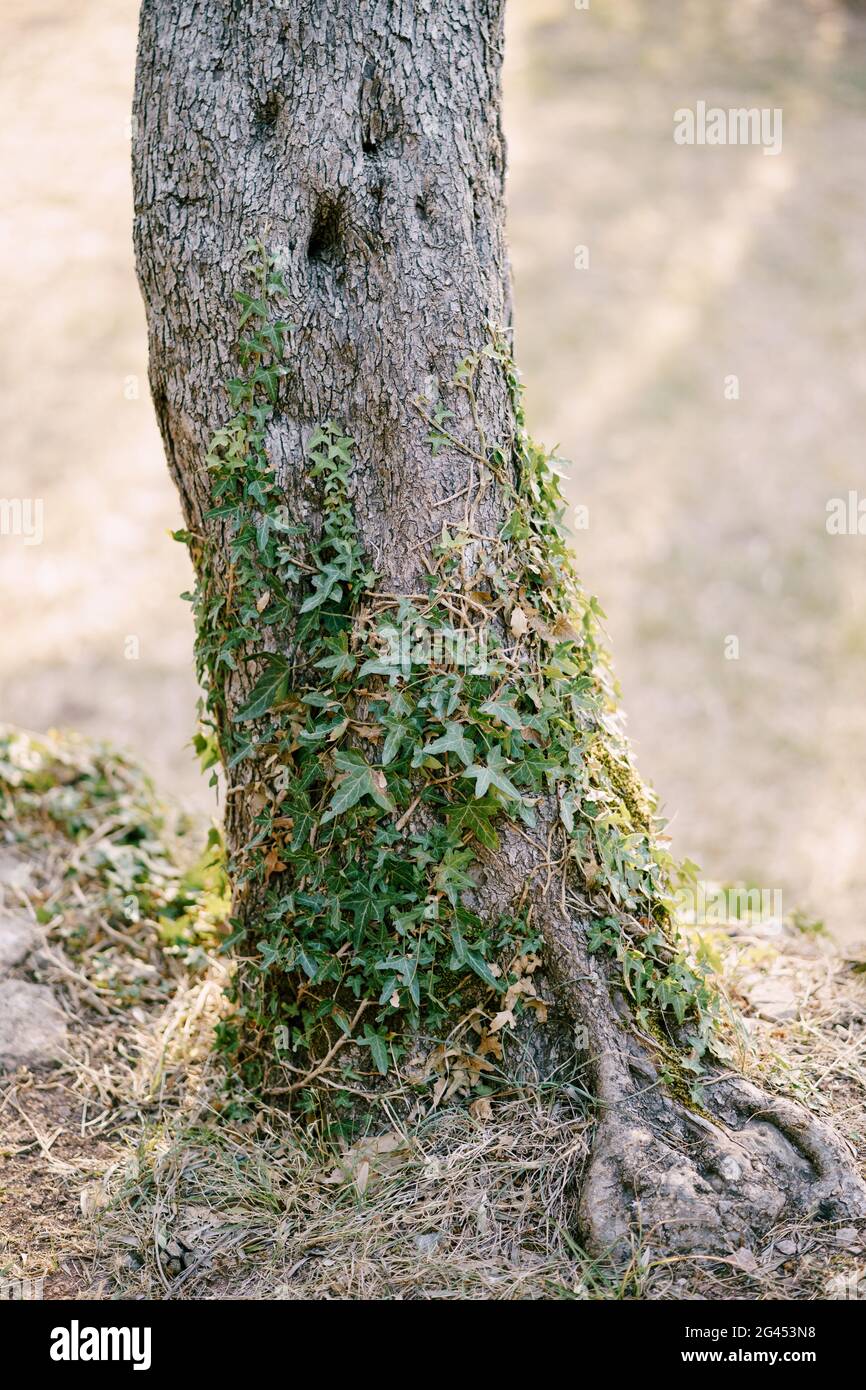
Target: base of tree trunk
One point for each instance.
(679, 1181)
(667, 1173)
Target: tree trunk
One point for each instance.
(343, 167)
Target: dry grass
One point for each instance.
(465, 1208)
(127, 1172)
(457, 1208)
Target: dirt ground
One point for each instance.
(706, 515)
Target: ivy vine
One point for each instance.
(380, 767)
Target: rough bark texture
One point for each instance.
(367, 139)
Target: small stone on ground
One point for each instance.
(18, 937)
(32, 1026)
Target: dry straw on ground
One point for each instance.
(127, 1172)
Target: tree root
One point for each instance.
(680, 1182)
(685, 1178)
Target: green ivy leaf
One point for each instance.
(463, 955)
(308, 963)
(271, 689)
(476, 817)
(378, 1045)
(324, 584)
(452, 741)
(491, 774)
(358, 779)
(393, 741)
(566, 810)
(505, 713)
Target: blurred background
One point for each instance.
(706, 515)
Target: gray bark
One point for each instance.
(367, 137)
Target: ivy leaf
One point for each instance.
(257, 492)
(230, 509)
(566, 810)
(268, 377)
(378, 1045)
(505, 713)
(451, 877)
(304, 822)
(365, 902)
(476, 817)
(375, 666)
(342, 663)
(240, 391)
(324, 584)
(270, 689)
(491, 774)
(393, 740)
(463, 955)
(406, 968)
(477, 963)
(240, 755)
(308, 963)
(263, 531)
(250, 306)
(273, 334)
(358, 779)
(260, 415)
(268, 953)
(452, 741)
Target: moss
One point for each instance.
(634, 795)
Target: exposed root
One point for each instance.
(706, 1179)
(684, 1183)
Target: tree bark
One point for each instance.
(363, 144)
